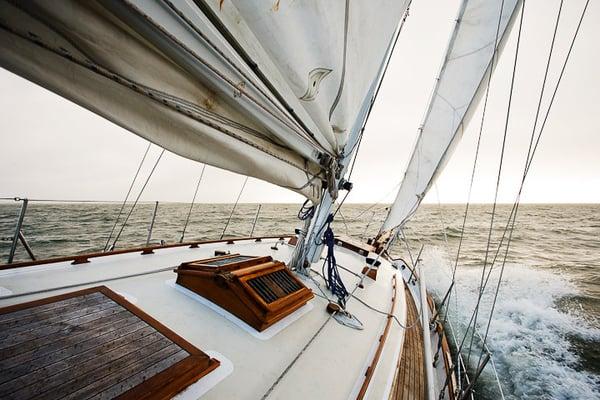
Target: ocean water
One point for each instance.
(545, 330)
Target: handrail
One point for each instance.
(84, 258)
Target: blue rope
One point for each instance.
(334, 281)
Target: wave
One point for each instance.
(540, 348)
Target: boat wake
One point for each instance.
(543, 345)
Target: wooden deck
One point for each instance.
(409, 383)
(92, 344)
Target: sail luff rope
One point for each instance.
(499, 175)
(187, 219)
(527, 170)
(137, 199)
(233, 208)
(127, 196)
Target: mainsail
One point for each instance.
(480, 32)
(261, 88)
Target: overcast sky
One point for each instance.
(54, 149)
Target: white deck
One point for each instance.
(333, 366)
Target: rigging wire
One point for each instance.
(529, 162)
(137, 199)
(500, 165)
(187, 219)
(345, 223)
(233, 208)
(379, 83)
(528, 165)
(531, 152)
(127, 196)
(476, 158)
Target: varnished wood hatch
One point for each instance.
(258, 290)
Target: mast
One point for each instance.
(313, 248)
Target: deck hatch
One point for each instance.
(258, 290)
(93, 343)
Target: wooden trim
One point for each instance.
(85, 258)
(168, 382)
(371, 369)
(354, 245)
(445, 349)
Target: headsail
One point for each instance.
(482, 26)
(256, 87)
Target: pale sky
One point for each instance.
(53, 149)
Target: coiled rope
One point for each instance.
(333, 281)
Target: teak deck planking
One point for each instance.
(92, 344)
(410, 376)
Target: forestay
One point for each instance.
(481, 27)
(261, 88)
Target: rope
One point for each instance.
(233, 209)
(126, 197)
(334, 281)
(500, 164)
(187, 219)
(137, 199)
(306, 211)
(291, 364)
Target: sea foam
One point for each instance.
(530, 336)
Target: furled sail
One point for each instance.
(482, 26)
(267, 89)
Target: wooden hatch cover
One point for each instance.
(93, 344)
(258, 290)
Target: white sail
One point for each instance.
(261, 88)
(459, 86)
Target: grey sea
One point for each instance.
(545, 330)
